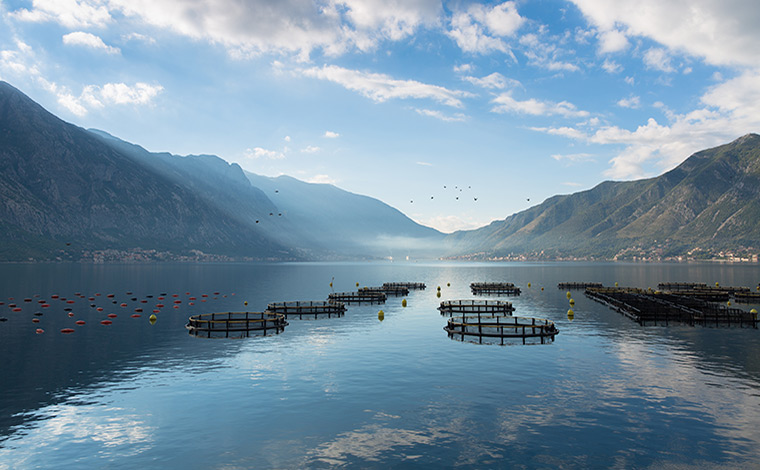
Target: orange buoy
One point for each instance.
(176, 306)
(99, 309)
(67, 330)
(123, 305)
(112, 315)
(17, 309)
(79, 322)
(39, 331)
(136, 315)
(106, 322)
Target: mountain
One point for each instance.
(708, 204)
(65, 192)
(346, 222)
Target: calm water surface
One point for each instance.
(356, 392)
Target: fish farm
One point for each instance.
(369, 297)
(500, 329)
(395, 291)
(478, 307)
(236, 324)
(308, 309)
(408, 285)
(578, 285)
(646, 307)
(500, 288)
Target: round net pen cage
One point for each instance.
(367, 297)
(308, 309)
(408, 285)
(579, 285)
(236, 324)
(494, 288)
(396, 291)
(476, 307)
(501, 329)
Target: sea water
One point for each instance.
(356, 392)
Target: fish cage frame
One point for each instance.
(395, 291)
(236, 324)
(308, 308)
(479, 307)
(369, 297)
(408, 285)
(578, 285)
(499, 288)
(471, 326)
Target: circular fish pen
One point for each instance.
(396, 291)
(236, 324)
(501, 329)
(494, 288)
(308, 309)
(408, 285)
(478, 307)
(368, 297)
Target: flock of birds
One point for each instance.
(456, 190)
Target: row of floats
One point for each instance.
(480, 321)
(99, 303)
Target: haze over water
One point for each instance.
(357, 392)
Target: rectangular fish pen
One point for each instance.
(674, 286)
(747, 297)
(358, 297)
(658, 308)
(477, 307)
(308, 309)
(408, 285)
(500, 329)
(395, 291)
(236, 324)
(578, 285)
(501, 288)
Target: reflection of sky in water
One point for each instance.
(356, 392)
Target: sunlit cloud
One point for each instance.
(259, 152)
(494, 81)
(481, 29)
(457, 117)
(80, 38)
(331, 135)
(505, 103)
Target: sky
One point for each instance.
(456, 113)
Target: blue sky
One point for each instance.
(507, 102)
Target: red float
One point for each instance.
(39, 331)
(111, 315)
(136, 315)
(35, 320)
(80, 322)
(67, 330)
(106, 322)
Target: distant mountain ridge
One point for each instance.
(708, 204)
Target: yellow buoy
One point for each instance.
(448, 284)
(245, 303)
(572, 302)
(357, 284)
(570, 314)
(439, 287)
(754, 312)
(381, 315)
(403, 303)
(331, 284)
(717, 284)
(542, 289)
(569, 295)
(616, 284)
(728, 303)
(529, 285)
(438, 294)
(152, 319)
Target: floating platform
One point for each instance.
(476, 307)
(501, 288)
(579, 285)
(678, 286)
(358, 297)
(665, 308)
(396, 291)
(308, 309)
(747, 297)
(501, 329)
(408, 285)
(236, 324)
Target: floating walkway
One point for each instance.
(408, 285)
(308, 309)
(747, 297)
(396, 291)
(368, 297)
(476, 307)
(501, 329)
(579, 285)
(236, 324)
(501, 288)
(663, 308)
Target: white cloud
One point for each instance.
(629, 80)
(545, 55)
(138, 37)
(69, 13)
(321, 179)
(505, 103)
(310, 149)
(658, 59)
(569, 132)
(574, 157)
(286, 138)
(424, 163)
(457, 117)
(610, 66)
(258, 152)
(464, 68)
(722, 32)
(571, 184)
(80, 38)
(493, 81)
(450, 223)
(331, 135)
(120, 93)
(612, 41)
(380, 87)
(470, 29)
(632, 102)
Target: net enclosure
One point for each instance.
(369, 297)
(236, 324)
(489, 307)
(308, 309)
(501, 288)
(499, 329)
